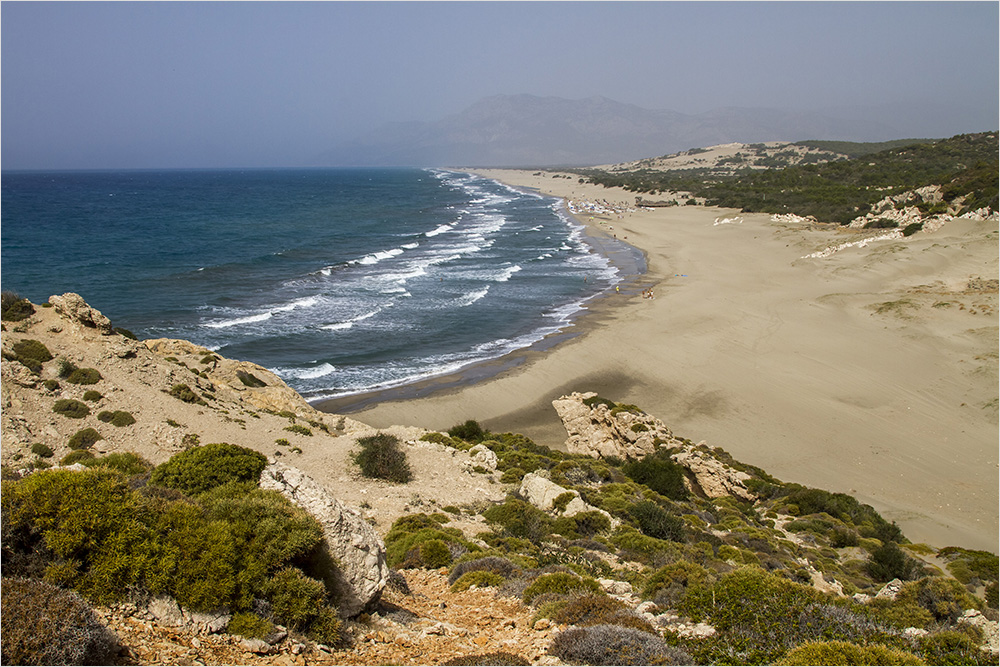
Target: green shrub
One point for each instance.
(298, 428)
(888, 562)
(127, 463)
(185, 393)
(492, 564)
(881, 223)
(325, 626)
(657, 522)
(844, 653)
(31, 349)
(44, 625)
(84, 438)
(248, 379)
(13, 308)
(512, 476)
(282, 442)
(51, 385)
(658, 473)
(478, 578)
(560, 583)
(295, 598)
(68, 407)
(944, 598)
(912, 228)
(953, 648)
(435, 554)
(470, 431)
(591, 609)
(84, 376)
(76, 456)
(116, 418)
(519, 519)
(381, 458)
(248, 624)
(992, 595)
(668, 585)
(92, 395)
(615, 645)
(201, 469)
(65, 367)
(41, 449)
(597, 400)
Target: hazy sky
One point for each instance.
(199, 84)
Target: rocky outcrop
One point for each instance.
(481, 457)
(358, 570)
(712, 477)
(600, 430)
(73, 308)
(542, 493)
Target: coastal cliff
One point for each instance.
(638, 545)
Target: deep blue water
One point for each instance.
(340, 281)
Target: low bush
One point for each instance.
(201, 469)
(295, 598)
(889, 562)
(945, 599)
(380, 457)
(249, 624)
(116, 418)
(92, 395)
(560, 583)
(84, 438)
(660, 474)
(127, 463)
(519, 519)
(615, 645)
(248, 379)
(493, 564)
(657, 522)
(13, 308)
(51, 385)
(298, 428)
(31, 349)
(68, 407)
(76, 456)
(470, 431)
(845, 653)
(185, 393)
(668, 585)
(84, 376)
(325, 627)
(41, 449)
(44, 625)
(591, 609)
(434, 553)
(953, 648)
(121, 331)
(912, 228)
(478, 578)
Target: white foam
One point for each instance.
(304, 373)
(472, 297)
(441, 229)
(507, 273)
(377, 257)
(250, 319)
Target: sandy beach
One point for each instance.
(872, 371)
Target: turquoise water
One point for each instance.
(339, 281)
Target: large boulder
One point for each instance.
(358, 570)
(72, 307)
(600, 430)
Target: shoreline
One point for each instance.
(841, 373)
(631, 263)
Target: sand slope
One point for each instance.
(872, 371)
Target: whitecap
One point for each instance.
(441, 229)
(250, 319)
(472, 297)
(304, 373)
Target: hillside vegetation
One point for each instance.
(965, 166)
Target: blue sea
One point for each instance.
(340, 281)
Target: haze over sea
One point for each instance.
(339, 281)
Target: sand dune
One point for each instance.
(871, 372)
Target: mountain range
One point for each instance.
(528, 130)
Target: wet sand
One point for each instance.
(871, 372)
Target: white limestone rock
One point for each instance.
(361, 571)
(600, 431)
(72, 306)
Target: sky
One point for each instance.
(93, 85)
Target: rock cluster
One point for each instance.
(601, 431)
(542, 493)
(711, 477)
(361, 571)
(72, 307)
